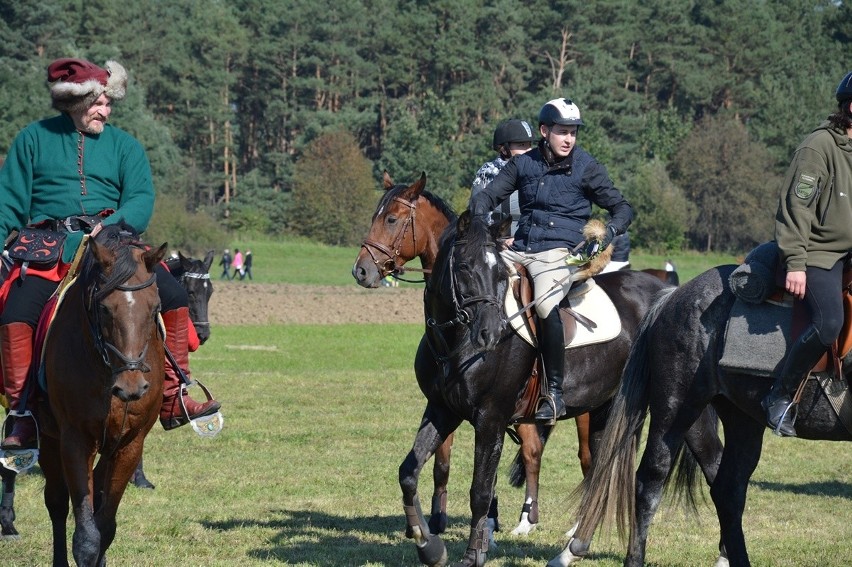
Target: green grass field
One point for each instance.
(317, 421)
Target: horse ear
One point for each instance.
(386, 180)
(413, 191)
(501, 228)
(463, 222)
(153, 257)
(208, 260)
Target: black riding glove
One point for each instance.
(609, 234)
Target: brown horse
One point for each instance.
(103, 371)
(407, 224)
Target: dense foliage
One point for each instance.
(694, 105)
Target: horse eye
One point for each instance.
(391, 219)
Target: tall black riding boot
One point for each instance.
(552, 345)
(778, 403)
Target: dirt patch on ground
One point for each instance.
(235, 303)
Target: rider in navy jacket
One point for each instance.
(555, 197)
(557, 182)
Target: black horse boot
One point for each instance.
(778, 403)
(552, 344)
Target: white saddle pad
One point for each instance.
(587, 299)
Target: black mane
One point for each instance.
(118, 238)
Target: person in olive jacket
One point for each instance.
(813, 229)
(557, 183)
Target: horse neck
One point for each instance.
(431, 233)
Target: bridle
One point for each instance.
(103, 346)
(196, 276)
(462, 309)
(392, 265)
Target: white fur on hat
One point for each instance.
(70, 96)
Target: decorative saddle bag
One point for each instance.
(37, 246)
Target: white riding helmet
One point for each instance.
(560, 111)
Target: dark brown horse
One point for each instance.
(103, 371)
(408, 224)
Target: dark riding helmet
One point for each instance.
(844, 89)
(560, 111)
(510, 131)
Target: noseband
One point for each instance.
(392, 265)
(103, 346)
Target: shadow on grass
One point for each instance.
(830, 488)
(319, 538)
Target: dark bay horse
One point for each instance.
(408, 224)
(194, 276)
(673, 375)
(471, 368)
(103, 370)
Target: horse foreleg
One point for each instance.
(111, 477)
(441, 475)
(77, 461)
(55, 497)
(739, 460)
(488, 447)
(7, 505)
(531, 450)
(432, 433)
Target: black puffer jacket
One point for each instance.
(555, 198)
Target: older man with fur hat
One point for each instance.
(68, 173)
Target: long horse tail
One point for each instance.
(518, 470)
(608, 492)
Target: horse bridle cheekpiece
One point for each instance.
(461, 309)
(392, 265)
(104, 347)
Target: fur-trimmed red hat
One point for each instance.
(76, 83)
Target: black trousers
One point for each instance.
(824, 301)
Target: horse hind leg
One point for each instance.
(532, 447)
(438, 517)
(55, 498)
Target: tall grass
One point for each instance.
(318, 419)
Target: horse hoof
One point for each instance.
(524, 528)
(433, 552)
(438, 523)
(722, 562)
(142, 482)
(565, 558)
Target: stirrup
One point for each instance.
(548, 399)
(791, 407)
(19, 460)
(204, 425)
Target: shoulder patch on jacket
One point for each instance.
(805, 186)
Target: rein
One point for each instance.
(103, 346)
(391, 266)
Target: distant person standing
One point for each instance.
(225, 262)
(238, 264)
(247, 264)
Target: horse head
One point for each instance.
(394, 237)
(474, 279)
(194, 276)
(123, 304)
